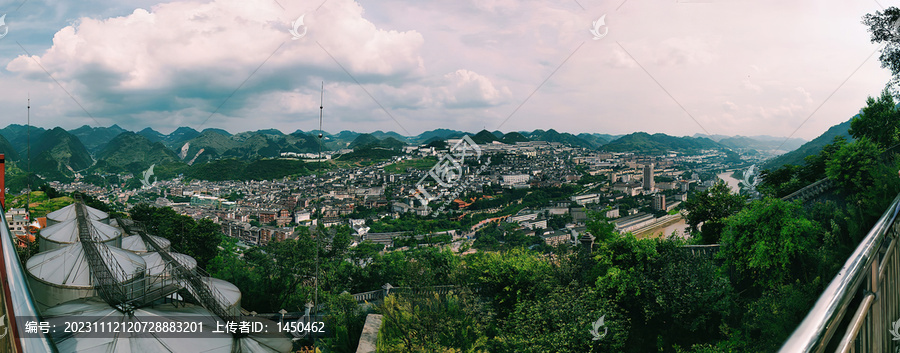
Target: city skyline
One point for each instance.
(680, 69)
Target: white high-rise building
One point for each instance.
(648, 177)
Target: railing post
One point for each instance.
(873, 337)
(871, 273)
(387, 289)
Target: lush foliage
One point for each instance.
(879, 121)
(854, 166)
(368, 154)
(199, 239)
(261, 169)
(711, 207)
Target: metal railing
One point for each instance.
(855, 312)
(810, 191)
(387, 289)
(707, 251)
(105, 270)
(17, 299)
(208, 297)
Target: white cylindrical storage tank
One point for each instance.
(136, 244)
(68, 212)
(227, 291)
(158, 272)
(158, 267)
(264, 342)
(95, 310)
(64, 274)
(66, 233)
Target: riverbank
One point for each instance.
(733, 183)
(663, 226)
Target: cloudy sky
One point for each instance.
(732, 67)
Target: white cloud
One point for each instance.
(191, 47)
(465, 88)
(459, 65)
(184, 59)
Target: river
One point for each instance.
(733, 183)
(679, 226)
(666, 232)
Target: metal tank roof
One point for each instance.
(64, 274)
(69, 267)
(68, 212)
(66, 232)
(229, 291)
(156, 265)
(93, 309)
(136, 244)
(225, 291)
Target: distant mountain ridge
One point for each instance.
(642, 141)
(133, 153)
(94, 138)
(758, 142)
(796, 157)
(57, 153)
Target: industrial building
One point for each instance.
(96, 268)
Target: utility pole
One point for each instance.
(28, 156)
(319, 222)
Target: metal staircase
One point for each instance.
(127, 293)
(192, 280)
(105, 270)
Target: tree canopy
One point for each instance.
(711, 207)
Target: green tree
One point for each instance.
(664, 294)
(345, 321)
(454, 322)
(780, 182)
(815, 166)
(600, 227)
(711, 208)
(882, 29)
(855, 166)
(769, 244)
(199, 239)
(879, 121)
(561, 322)
(507, 277)
(277, 276)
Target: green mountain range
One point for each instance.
(95, 138)
(484, 136)
(59, 154)
(513, 137)
(796, 157)
(130, 152)
(152, 135)
(19, 136)
(657, 143)
(565, 138)
(7, 149)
